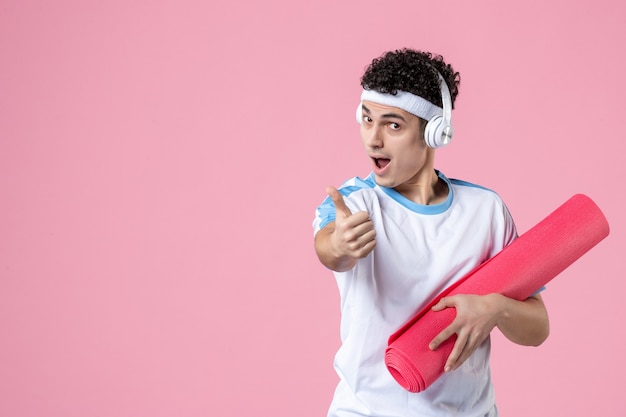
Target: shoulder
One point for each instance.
(475, 192)
(353, 186)
(487, 205)
(462, 184)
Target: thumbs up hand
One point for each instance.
(354, 235)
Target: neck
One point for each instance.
(425, 188)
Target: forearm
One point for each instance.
(523, 322)
(327, 254)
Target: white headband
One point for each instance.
(409, 102)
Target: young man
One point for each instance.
(399, 237)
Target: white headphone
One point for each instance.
(438, 132)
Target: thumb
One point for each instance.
(340, 205)
(441, 304)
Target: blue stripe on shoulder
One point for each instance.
(357, 184)
(468, 184)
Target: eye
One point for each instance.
(367, 119)
(394, 126)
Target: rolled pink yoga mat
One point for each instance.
(518, 271)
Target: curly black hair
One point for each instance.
(411, 71)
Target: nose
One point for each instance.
(372, 137)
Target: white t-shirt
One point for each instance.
(420, 251)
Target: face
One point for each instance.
(394, 141)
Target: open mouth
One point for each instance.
(381, 162)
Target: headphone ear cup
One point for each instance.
(359, 113)
(432, 132)
(437, 133)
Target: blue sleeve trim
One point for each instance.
(538, 291)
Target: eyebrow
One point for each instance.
(386, 115)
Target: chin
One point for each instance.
(387, 183)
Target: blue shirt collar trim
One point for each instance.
(420, 208)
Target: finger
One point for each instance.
(363, 246)
(465, 354)
(469, 347)
(356, 230)
(451, 301)
(369, 246)
(444, 335)
(359, 219)
(453, 361)
(439, 306)
(340, 204)
(361, 224)
(358, 236)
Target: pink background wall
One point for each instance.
(160, 162)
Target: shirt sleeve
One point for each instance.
(324, 214)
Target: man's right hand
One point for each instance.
(350, 237)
